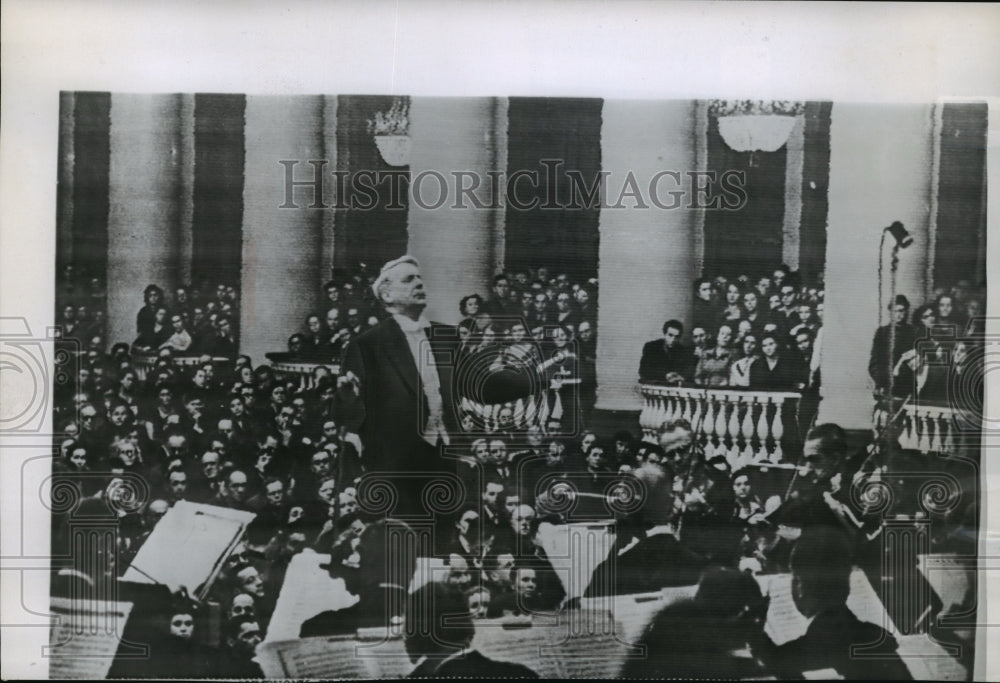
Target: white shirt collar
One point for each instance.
(410, 325)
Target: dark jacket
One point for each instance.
(828, 644)
(391, 408)
(657, 361)
(881, 362)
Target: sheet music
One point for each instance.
(632, 613)
(334, 658)
(948, 576)
(428, 569)
(575, 550)
(85, 637)
(551, 651)
(308, 590)
(784, 621)
(928, 660)
(206, 533)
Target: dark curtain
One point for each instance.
(749, 239)
(375, 234)
(815, 185)
(560, 130)
(92, 158)
(217, 222)
(961, 218)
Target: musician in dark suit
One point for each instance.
(398, 384)
(821, 583)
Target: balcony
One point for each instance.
(143, 363)
(305, 371)
(928, 428)
(743, 426)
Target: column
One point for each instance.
(880, 166)
(281, 275)
(64, 192)
(791, 226)
(329, 219)
(647, 260)
(450, 235)
(144, 204)
(186, 217)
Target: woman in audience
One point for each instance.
(713, 366)
(155, 334)
(752, 311)
(739, 372)
(771, 372)
(470, 306)
(947, 315)
(732, 310)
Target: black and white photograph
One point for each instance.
(348, 385)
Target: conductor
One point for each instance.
(398, 388)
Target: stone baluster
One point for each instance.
(688, 410)
(936, 426)
(733, 428)
(762, 429)
(948, 440)
(720, 424)
(748, 429)
(926, 425)
(667, 400)
(708, 422)
(777, 428)
(908, 438)
(663, 414)
(519, 414)
(644, 413)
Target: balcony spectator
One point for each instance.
(705, 311)
(771, 372)
(179, 339)
(889, 343)
(739, 372)
(732, 311)
(666, 359)
(713, 366)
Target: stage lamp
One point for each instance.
(900, 234)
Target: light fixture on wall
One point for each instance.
(900, 234)
(755, 126)
(390, 130)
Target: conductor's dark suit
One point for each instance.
(391, 412)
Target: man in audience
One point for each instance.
(704, 314)
(179, 339)
(667, 360)
(890, 342)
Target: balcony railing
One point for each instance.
(742, 426)
(533, 410)
(524, 413)
(302, 370)
(928, 428)
(143, 363)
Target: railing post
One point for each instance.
(777, 428)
